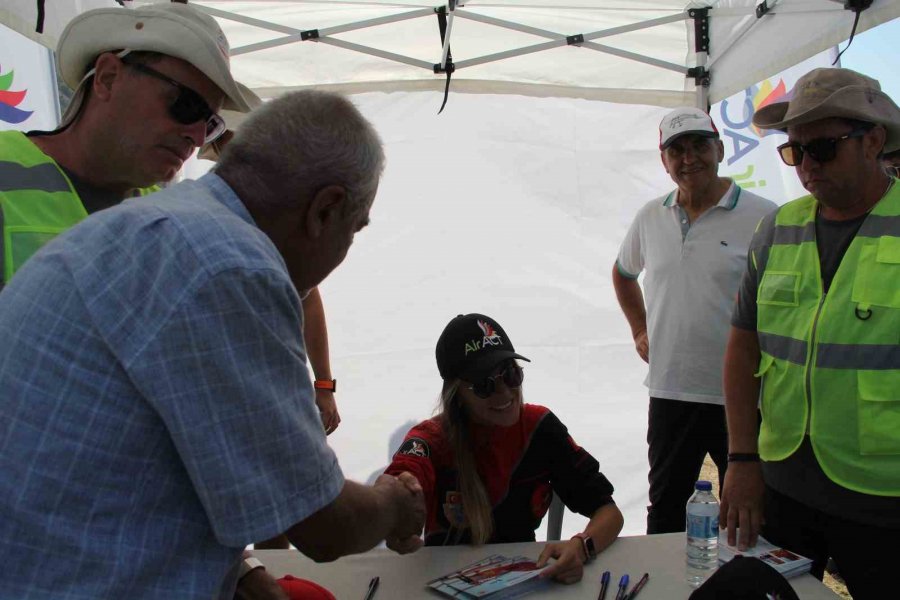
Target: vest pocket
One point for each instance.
(879, 411)
(782, 406)
(779, 288)
(25, 241)
(877, 273)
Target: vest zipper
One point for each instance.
(811, 354)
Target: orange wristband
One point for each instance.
(325, 384)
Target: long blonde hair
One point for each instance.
(476, 503)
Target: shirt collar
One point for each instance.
(224, 194)
(728, 200)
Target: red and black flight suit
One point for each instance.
(521, 467)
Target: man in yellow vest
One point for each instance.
(815, 341)
(148, 83)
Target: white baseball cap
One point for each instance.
(169, 28)
(685, 120)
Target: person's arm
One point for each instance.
(742, 495)
(361, 516)
(315, 337)
(603, 528)
(575, 476)
(414, 457)
(631, 300)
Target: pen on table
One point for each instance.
(604, 583)
(623, 585)
(373, 585)
(637, 587)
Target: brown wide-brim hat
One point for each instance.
(834, 93)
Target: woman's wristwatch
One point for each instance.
(587, 544)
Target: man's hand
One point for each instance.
(259, 585)
(328, 409)
(642, 345)
(569, 565)
(408, 501)
(742, 503)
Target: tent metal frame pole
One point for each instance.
(556, 39)
(700, 73)
(230, 16)
(553, 35)
(375, 52)
(445, 49)
(655, 62)
(559, 39)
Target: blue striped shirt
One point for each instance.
(156, 413)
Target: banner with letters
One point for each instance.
(28, 94)
(751, 158)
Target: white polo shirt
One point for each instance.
(693, 271)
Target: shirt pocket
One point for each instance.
(779, 288)
(879, 411)
(877, 274)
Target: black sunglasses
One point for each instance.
(189, 107)
(821, 150)
(512, 376)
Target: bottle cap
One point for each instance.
(703, 486)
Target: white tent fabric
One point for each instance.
(634, 52)
(512, 206)
(512, 202)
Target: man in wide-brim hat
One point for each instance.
(149, 84)
(816, 324)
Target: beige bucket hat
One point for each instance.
(169, 28)
(827, 93)
(233, 119)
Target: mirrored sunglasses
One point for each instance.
(189, 106)
(821, 150)
(512, 377)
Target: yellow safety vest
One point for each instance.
(830, 364)
(37, 201)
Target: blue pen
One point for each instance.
(604, 583)
(623, 585)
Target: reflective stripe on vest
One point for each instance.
(830, 364)
(37, 200)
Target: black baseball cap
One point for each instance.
(471, 346)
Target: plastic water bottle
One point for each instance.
(702, 527)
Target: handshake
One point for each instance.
(406, 500)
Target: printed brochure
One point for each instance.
(496, 577)
(784, 561)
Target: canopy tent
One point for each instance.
(641, 51)
(513, 202)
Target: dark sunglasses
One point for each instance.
(189, 107)
(821, 150)
(512, 376)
